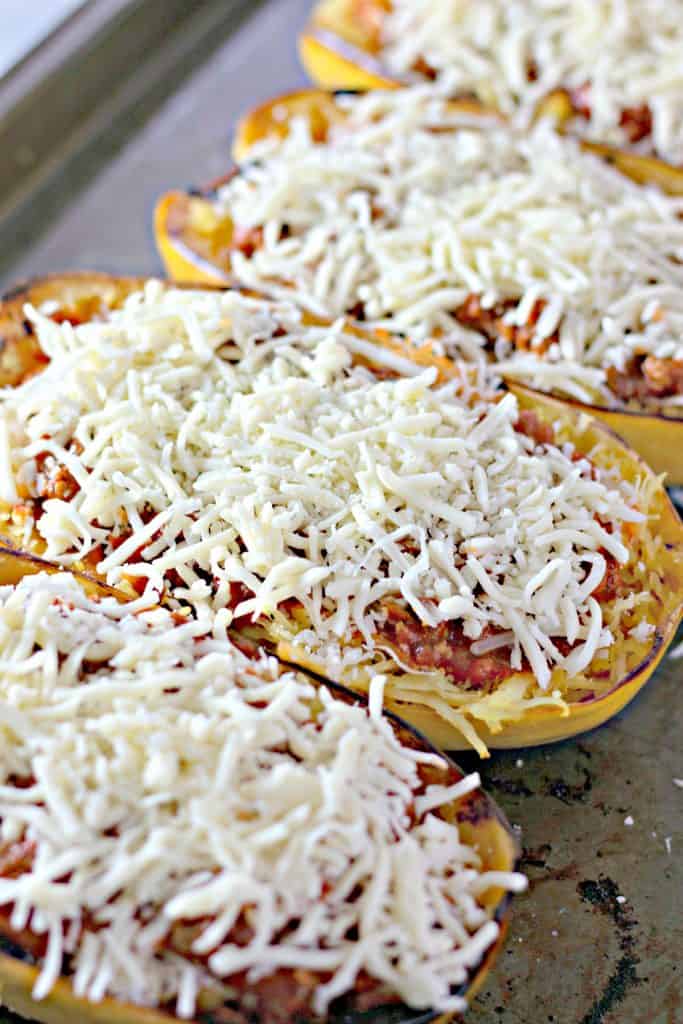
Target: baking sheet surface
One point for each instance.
(599, 937)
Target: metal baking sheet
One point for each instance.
(598, 938)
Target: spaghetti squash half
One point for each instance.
(522, 58)
(432, 219)
(179, 841)
(506, 568)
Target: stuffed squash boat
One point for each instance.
(175, 828)
(506, 570)
(523, 58)
(421, 217)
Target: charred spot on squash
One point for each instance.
(196, 222)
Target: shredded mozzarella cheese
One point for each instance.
(172, 789)
(409, 208)
(216, 440)
(621, 54)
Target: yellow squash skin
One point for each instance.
(194, 241)
(15, 564)
(62, 1006)
(191, 258)
(540, 724)
(337, 53)
(481, 824)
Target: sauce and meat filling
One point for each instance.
(443, 648)
(643, 377)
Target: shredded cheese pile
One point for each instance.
(241, 446)
(628, 52)
(170, 783)
(409, 208)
